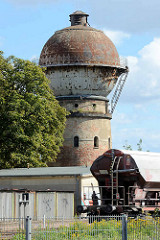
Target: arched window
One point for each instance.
(76, 141)
(96, 142)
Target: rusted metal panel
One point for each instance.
(79, 45)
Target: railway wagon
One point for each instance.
(129, 182)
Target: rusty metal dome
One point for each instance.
(79, 44)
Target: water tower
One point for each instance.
(83, 66)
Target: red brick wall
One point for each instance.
(86, 128)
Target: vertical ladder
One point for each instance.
(118, 90)
(114, 176)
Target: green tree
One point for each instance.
(31, 120)
(127, 146)
(139, 145)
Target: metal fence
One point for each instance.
(12, 228)
(143, 228)
(78, 228)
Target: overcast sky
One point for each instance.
(133, 26)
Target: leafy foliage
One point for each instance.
(31, 120)
(139, 145)
(127, 146)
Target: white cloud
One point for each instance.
(133, 63)
(150, 54)
(143, 83)
(116, 36)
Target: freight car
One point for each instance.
(129, 182)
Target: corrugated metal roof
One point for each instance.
(45, 171)
(148, 164)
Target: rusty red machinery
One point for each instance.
(129, 182)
